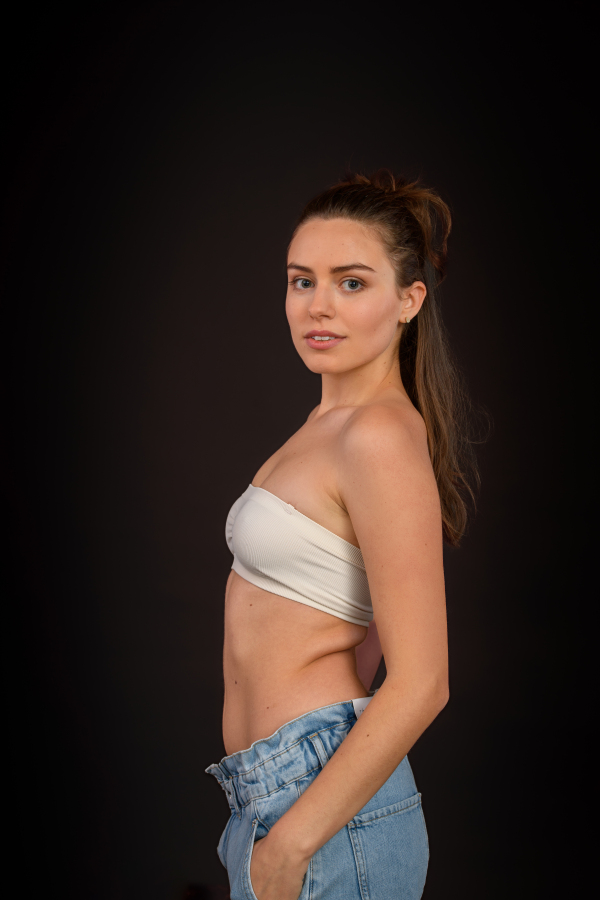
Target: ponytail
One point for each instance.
(413, 223)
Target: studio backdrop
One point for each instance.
(158, 158)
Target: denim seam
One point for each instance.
(247, 882)
(285, 750)
(258, 818)
(274, 791)
(231, 794)
(319, 748)
(359, 860)
(425, 827)
(385, 815)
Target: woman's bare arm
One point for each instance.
(388, 487)
(368, 656)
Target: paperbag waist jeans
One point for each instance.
(382, 853)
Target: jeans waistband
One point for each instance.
(297, 748)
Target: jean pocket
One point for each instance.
(391, 850)
(246, 880)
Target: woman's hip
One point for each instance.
(382, 853)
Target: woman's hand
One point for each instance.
(276, 873)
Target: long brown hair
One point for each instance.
(413, 223)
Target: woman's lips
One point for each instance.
(323, 341)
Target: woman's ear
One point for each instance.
(412, 300)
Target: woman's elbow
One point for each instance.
(430, 693)
(442, 696)
(438, 696)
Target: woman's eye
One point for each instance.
(302, 284)
(352, 284)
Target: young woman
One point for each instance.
(341, 526)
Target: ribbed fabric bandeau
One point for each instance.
(284, 552)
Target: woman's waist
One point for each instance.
(294, 753)
(258, 702)
(266, 628)
(297, 746)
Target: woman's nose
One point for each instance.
(321, 303)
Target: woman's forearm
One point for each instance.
(387, 729)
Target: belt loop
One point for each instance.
(319, 746)
(229, 788)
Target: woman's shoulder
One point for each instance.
(384, 428)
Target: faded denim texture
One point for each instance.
(381, 854)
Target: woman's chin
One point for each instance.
(321, 366)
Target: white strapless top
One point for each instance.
(284, 552)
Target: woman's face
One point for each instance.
(341, 283)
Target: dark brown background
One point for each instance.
(157, 159)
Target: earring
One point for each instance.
(407, 321)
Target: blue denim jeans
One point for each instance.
(382, 853)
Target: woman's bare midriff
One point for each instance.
(281, 659)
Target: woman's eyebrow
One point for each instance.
(334, 270)
(351, 266)
(302, 268)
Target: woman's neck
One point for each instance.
(360, 386)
